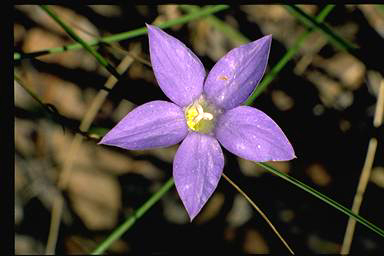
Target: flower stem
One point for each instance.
(259, 211)
(119, 231)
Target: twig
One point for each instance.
(73, 149)
(365, 173)
(259, 211)
(135, 56)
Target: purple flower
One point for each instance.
(204, 112)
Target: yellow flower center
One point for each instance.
(200, 116)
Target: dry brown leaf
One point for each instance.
(240, 213)
(82, 27)
(106, 10)
(377, 176)
(345, 67)
(249, 168)
(168, 12)
(282, 100)
(18, 33)
(27, 245)
(319, 174)
(38, 39)
(211, 209)
(64, 95)
(252, 169)
(23, 143)
(254, 243)
(373, 16)
(96, 198)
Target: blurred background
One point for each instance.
(323, 99)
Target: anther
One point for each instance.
(202, 114)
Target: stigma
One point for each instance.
(200, 116)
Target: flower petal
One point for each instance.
(236, 75)
(152, 125)
(197, 168)
(178, 71)
(252, 135)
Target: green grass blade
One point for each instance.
(119, 231)
(270, 76)
(78, 39)
(309, 21)
(324, 198)
(125, 35)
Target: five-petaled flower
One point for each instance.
(205, 111)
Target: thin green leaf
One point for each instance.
(309, 21)
(125, 35)
(119, 231)
(270, 76)
(78, 39)
(324, 198)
